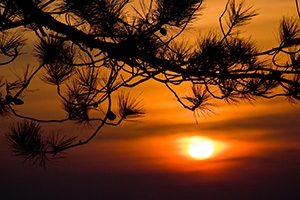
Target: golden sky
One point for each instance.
(257, 145)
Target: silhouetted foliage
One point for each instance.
(91, 50)
(26, 141)
(129, 107)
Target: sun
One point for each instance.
(200, 148)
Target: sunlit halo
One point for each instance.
(200, 148)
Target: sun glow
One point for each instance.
(200, 148)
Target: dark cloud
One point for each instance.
(283, 126)
(245, 180)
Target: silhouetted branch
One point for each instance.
(4, 109)
(26, 141)
(11, 45)
(289, 32)
(57, 143)
(89, 50)
(129, 107)
(297, 7)
(199, 99)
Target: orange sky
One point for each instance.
(260, 154)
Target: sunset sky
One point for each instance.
(257, 146)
